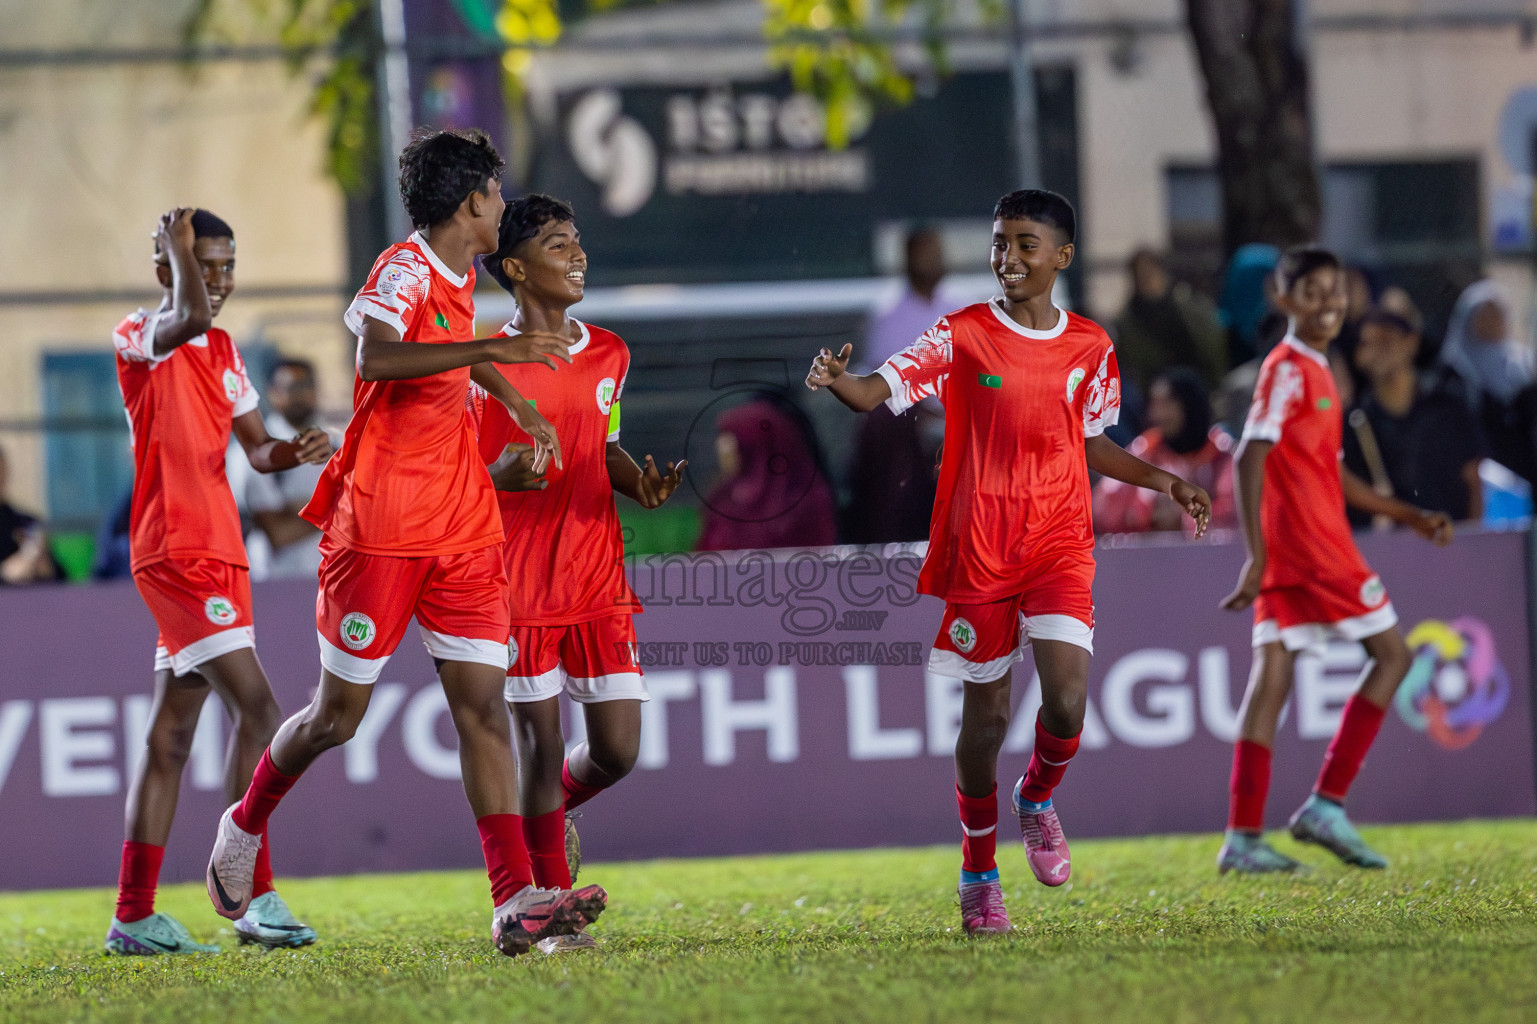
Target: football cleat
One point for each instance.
(231, 867)
(1322, 821)
(982, 909)
(1045, 845)
(1249, 854)
(268, 922)
(155, 935)
(534, 915)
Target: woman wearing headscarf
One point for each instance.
(772, 492)
(1182, 440)
(1496, 370)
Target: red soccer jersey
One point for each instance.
(564, 550)
(1302, 511)
(407, 480)
(1013, 499)
(180, 408)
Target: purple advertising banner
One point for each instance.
(790, 710)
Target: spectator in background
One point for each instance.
(892, 478)
(1410, 436)
(24, 554)
(1182, 440)
(1245, 303)
(1496, 369)
(114, 558)
(1164, 325)
(771, 491)
(281, 545)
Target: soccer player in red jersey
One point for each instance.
(572, 606)
(411, 527)
(185, 389)
(1306, 580)
(1028, 390)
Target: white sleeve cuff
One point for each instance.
(1261, 432)
(361, 308)
(898, 402)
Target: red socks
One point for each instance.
(507, 864)
(546, 839)
(1248, 787)
(1048, 764)
(979, 830)
(1358, 728)
(577, 791)
(137, 877)
(268, 786)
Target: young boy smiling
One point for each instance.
(1028, 391)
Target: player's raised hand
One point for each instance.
(312, 445)
(826, 367)
(1247, 590)
(656, 488)
(514, 471)
(1195, 501)
(175, 229)
(532, 347)
(1435, 527)
(546, 444)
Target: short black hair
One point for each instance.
(440, 169)
(1042, 205)
(524, 218)
(1301, 261)
(206, 225)
(291, 363)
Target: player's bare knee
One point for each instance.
(1389, 652)
(170, 748)
(1062, 713)
(983, 733)
(615, 757)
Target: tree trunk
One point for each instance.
(1257, 87)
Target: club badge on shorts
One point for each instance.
(220, 610)
(1373, 593)
(963, 636)
(358, 630)
(512, 652)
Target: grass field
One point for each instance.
(1146, 931)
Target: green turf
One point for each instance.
(1146, 931)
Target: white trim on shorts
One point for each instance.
(1312, 636)
(583, 689)
(194, 654)
(363, 671)
(463, 648)
(1064, 628)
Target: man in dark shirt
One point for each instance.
(24, 555)
(1411, 436)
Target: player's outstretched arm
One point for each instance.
(646, 486)
(546, 444)
(1107, 458)
(383, 356)
(191, 314)
(269, 455)
(860, 392)
(1249, 484)
(1435, 527)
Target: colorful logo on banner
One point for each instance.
(1456, 684)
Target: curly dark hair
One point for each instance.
(1042, 205)
(440, 169)
(522, 220)
(1301, 261)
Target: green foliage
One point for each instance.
(1146, 931)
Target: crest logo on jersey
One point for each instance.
(390, 280)
(358, 630)
(1073, 380)
(512, 652)
(1373, 592)
(606, 388)
(220, 610)
(963, 635)
(231, 385)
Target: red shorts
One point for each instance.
(202, 607)
(595, 661)
(979, 642)
(365, 601)
(1307, 618)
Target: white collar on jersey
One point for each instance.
(1017, 328)
(1306, 349)
(457, 280)
(508, 329)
